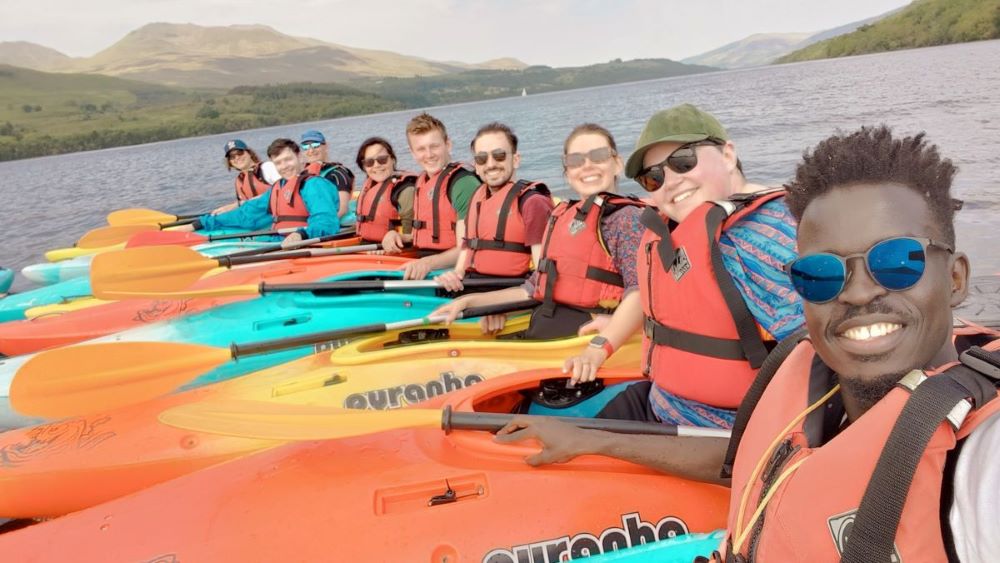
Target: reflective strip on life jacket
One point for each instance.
(495, 230)
(696, 321)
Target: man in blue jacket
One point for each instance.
(299, 200)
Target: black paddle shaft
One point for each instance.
(266, 346)
(277, 246)
(359, 285)
(491, 422)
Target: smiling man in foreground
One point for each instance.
(851, 452)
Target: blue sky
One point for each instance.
(552, 32)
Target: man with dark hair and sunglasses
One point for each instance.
(507, 217)
(316, 153)
(712, 296)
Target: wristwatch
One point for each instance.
(601, 342)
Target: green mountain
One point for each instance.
(923, 23)
(52, 113)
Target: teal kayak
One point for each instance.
(272, 316)
(12, 307)
(681, 549)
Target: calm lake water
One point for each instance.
(772, 114)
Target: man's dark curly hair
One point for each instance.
(872, 156)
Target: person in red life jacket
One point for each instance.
(254, 177)
(317, 156)
(298, 201)
(874, 440)
(507, 217)
(589, 249)
(385, 202)
(711, 306)
(440, 203)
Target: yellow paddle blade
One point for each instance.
(79, 380)
(147, 268)
(60, 254)
(284, 421)
(106, 236)
(139, 216)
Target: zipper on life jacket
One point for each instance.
(649, 286)
(778, 460)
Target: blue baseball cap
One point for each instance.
(312, 136)
(236, 144)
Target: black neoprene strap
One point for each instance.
(435, 196)
(370, 216)
(764, 376)
(651, 219)
(746, 325)
(881, 509)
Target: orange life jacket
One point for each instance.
(287, 206)
(434, 217)
(377, 209)
(250, 184)
(576, 269)
(495, 230)
(818, 487)
(700, 340)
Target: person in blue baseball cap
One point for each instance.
(254, 177)
(317, 160)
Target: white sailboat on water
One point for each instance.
(524, 92)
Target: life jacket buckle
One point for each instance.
(956, 416)
(983, 362)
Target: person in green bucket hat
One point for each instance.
(712, 300)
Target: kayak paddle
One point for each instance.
(155, 269)
(89, 378)
(167, 238)
(141, 216)
(288, 421)
(318, 288)
(108, 236)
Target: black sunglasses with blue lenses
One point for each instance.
(896, 264)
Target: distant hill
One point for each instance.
(223, 57)
(923, 23)
(30, 55)
(484, 84)
(763, 48)
(52, 113)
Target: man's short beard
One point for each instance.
(867, 391)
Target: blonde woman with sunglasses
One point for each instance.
(588, 251)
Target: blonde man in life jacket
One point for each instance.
(507, 217)
(440, 203)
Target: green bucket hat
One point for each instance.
(679, 124)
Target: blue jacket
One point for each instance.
(319, 195)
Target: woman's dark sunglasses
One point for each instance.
(681, 161)
(369, 162)
(235, 152)
(597, 156)
(896, 264)
(482, 158)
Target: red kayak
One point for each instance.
(400, 495)
(32, 335)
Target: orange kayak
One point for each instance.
(39, 333)
(60, 467)
(385, 497)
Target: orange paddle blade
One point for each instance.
(139, 216)
(284, 421)
(79, 380)
(108, 236)
(148, 268)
